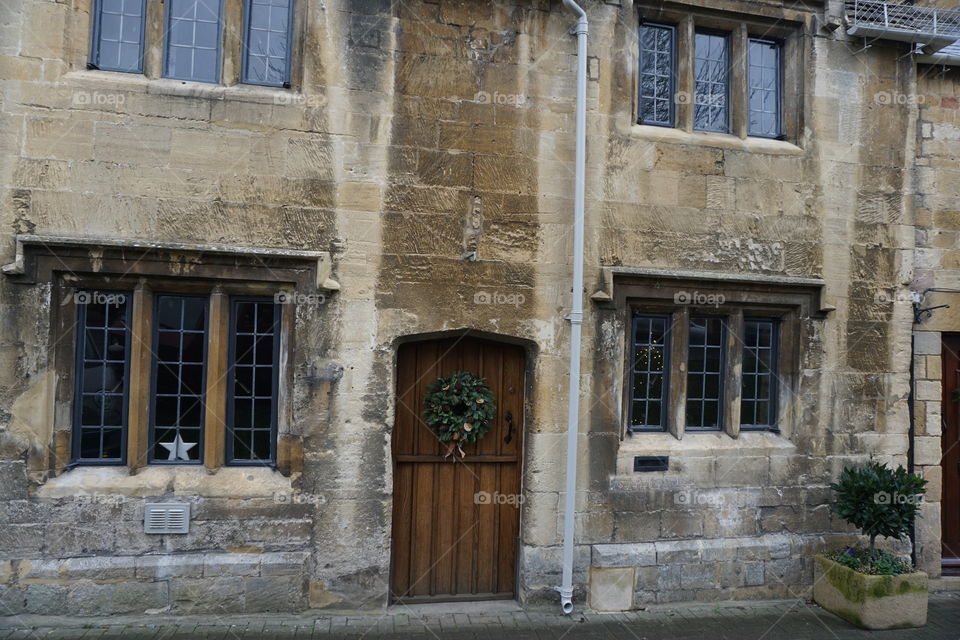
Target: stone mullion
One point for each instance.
(155, 37)
(215, 395)
(733, 374)
(737, 87)
(679, 341)
(141, 357)
(685, 85)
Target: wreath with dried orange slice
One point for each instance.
(460, 409)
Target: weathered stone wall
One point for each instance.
(429, 146)
(938, 200)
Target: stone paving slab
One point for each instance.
(779, 620)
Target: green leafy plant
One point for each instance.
(878, 500)
(459, 408)
(858, 559)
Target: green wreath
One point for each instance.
(459, 409)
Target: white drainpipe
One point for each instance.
(576, 311)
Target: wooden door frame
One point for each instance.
(948, 563)
(530, 351)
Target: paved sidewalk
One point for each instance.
(780, 620)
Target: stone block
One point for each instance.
(13, 600)
(99, 568)
(623, 555)
(240, 564)
(753, 573)
(87, 598)
(208, 595)
(929, 390)
(927, 450)
(13, 480)
(611, 588)
(681, 524)
(668, 577)
(275, 593)
(679, 551)
(927, 343)
(281, 564)
(698, 576)
(21, 540)
(46, 599)
(157, 567)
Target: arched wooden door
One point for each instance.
(456, 523)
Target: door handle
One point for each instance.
(509, 418)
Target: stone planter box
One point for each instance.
(870, 602)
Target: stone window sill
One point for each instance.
(226, 482)
(718, 140)
(700, 445)
(94, 81)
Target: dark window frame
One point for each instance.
(672, 118)
(721, 391)
(78, 380)
(168, 12)
(152, 399)
(230, 459)
(245, 52)
(667, 365)
(728, 67)
(773, 401)
(95, 42)
(778, 44)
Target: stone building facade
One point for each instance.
(408, 196)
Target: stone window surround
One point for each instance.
(792, 300)
(231, 62)
(785, 28)
(68, 264)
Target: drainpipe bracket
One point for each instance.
(575, 317)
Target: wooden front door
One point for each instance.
(456, 522)
(950, 507)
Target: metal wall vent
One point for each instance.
(166, 517)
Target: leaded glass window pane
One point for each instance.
(656, 74)
(179, 379)
(705, 373)
(267, 42)
(193, 40)
(649, 372)
(252, 381)
(711, 83)
(118, 35)
(758, 389)
(763, 80)
(102, 366)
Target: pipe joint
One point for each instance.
(575, 317)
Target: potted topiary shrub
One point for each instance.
(869, 587)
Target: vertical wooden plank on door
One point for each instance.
(403, 443)
(466, 532)
(512, 395)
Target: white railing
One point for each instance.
(903, 17)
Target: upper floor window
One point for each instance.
(193, 38)
(707, 73)
(118, 27)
